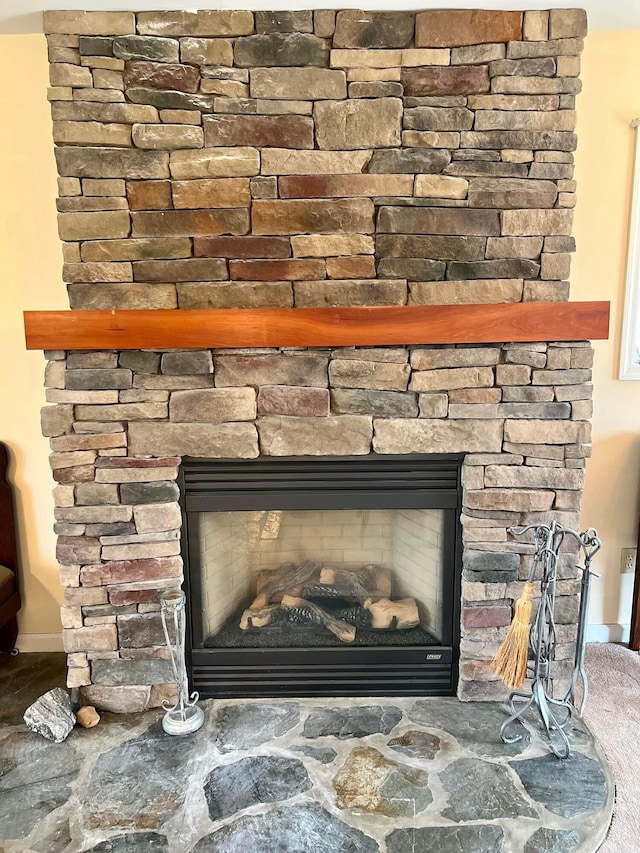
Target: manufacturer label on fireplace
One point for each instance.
(433, 657)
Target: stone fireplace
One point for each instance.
(227, 159)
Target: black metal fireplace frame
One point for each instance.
(412, 481)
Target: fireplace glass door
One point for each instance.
(323, 576)
(303, 578)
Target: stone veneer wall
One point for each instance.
(240, 159)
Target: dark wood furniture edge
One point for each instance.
(293, 327)
(8, 556)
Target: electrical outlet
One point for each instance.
(628, 561)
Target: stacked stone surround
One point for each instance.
(305, 159)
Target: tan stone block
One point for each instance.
(513, 247)
(516, 155)
(547, 432)
(108, 62)
(536, 222)
(381, 376)
(373, 75)
(555, 266)
(108, 79)
(354, 267)
(298, 83)
(97, 272)
(70, 205)
(366, 58)
(567, 23)
(220, 192)
(412, 57)
(215, 163)
(206, 51)
(59, 93)
(568, 66)
(189, 269)
(326, 245)
(283, 161)
(525, 120)
(71, 253)
(428, 359)
(362, 123)
(214, 22)
(441, 186)
(319, 216)
(214, 404)
(93, 226)
(330, 436)
(430, 139)
(222, 440)
(535, 26)
(465, 292)
(69, 186)
(225, 88)
(273, 108)
(151, 518)
(181, 116)
(96, 638)
(102, 186)
(426, 435)
(513, 102)
(71, 617)
(135, 250)
(90, 23)
(103, 96)
(65, 74)
(149, 195)
(347, 186)
(117, 113)
(513, 374)
(448, 379)
(167, 136)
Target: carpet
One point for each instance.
(613, 715)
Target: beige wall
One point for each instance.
(609, 101)
(30, 258)
(31, 262)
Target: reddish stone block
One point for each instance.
(131, 571)
(162, 75)
(455, 28)
(241, 247)
(289, 400)
(445, 80)
(288, 131)
(185, 223)
(345, 186)
(486, 617)
(134, 596)
(77, 474)
(358, 266)
(149, 195)
(289, 270)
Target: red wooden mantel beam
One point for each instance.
(316, 327)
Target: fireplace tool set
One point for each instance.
(530, 651)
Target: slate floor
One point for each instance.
(308, 776)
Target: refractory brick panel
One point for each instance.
(400, 125)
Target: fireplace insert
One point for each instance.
(323, 576)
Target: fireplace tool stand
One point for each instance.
(555, 714)
(184, 717)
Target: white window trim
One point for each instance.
(629, 356)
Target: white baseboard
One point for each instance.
(608, 633)
(39, 643)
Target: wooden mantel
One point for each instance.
(316, 327)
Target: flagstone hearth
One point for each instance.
(315, 777)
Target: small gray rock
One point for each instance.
(552, 841)
(447, 839)
(134, 842)
(246, 726)
(479, 790)
(323, 754)
(51, 715)
(570, 788)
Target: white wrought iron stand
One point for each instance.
(185, 716)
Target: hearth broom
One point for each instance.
(510, 661)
